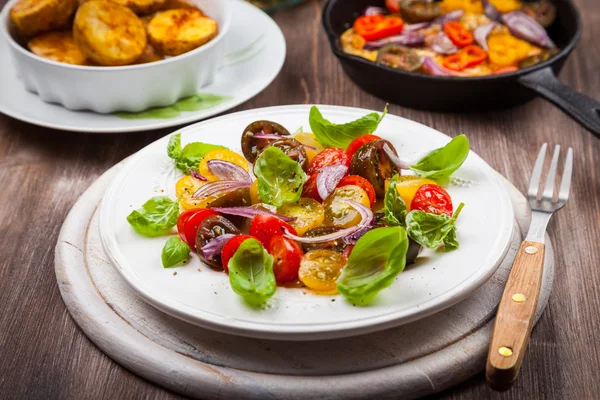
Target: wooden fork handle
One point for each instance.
(515, 316)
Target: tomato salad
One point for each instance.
(454, 37)
(334, 210)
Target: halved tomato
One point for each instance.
(432, 199)
(191, 225)
(360, 142)
(360, 182)
(286, 258)
(327, 157)
(264, 227)
(230, 248)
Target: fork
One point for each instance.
(516, 312)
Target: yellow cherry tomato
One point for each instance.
(338, 212)
(185, 188)
(505, 6)
(320, 269)
(314, 147)
(507, 50)
(309, 214)
(220, 154)
(407, 187)
(254, 196)
(468, 6)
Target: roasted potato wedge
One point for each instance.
(140, 7)
(149, 55)
(35, 16)
(175, 32)
(57, 46)
(109, 34)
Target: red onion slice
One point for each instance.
(416, 27)
(214, 247)
(441, 43)
(196, 175)
(266, 136)
(406, 39)
(451, 16)
(328, 179)
(395, 159)
(491, 11)
(523, 26)
(481, 34)
(309, 147)
(367, 220)
(219, 187)
(372, 10)
(250, 212)
(228, 171)
(437, 69)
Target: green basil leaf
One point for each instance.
(251, 273)
(280, 179)
(340, 135)
(378, 257)
(430, 230)
(394, 207)
(450, 241)
(156, 217)
(192, 154)
(174, 147)
(443, 162)
(175, 252)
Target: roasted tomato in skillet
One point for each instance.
(399, 57)
(211, 227)
(372, 163)
(414, 11)
(327, 157)
(293, 149)
(538, 58)
(542, 11)
(251, 146)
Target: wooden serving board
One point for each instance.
(410, 361)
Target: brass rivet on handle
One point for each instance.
(519, 297)
(531, 250)
(505, 351)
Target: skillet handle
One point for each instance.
(583, 109)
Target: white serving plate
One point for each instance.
(437, 281)
(254, 53)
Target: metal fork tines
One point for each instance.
(544, 204)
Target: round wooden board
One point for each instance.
(410, 361)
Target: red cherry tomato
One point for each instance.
(183, 218)
(287, 255)
(393, 5)
(328, 157)
(191, 225)
(432, 199)
(362, 183)
(310, 188)
(264, 227)
(360, 142)
(230, 248)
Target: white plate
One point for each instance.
(254, 54)
(206, 299)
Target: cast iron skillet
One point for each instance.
(441, 93)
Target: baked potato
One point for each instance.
(140, 7)
(109, 34)
(57, 46)
(35, 16)
(175, 32)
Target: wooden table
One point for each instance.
(42, 172)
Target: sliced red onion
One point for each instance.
(405, 39)
(367, 220)
(250, 212)
(395, 159)
(441, 43)
(491, 11)
(228, 171)
(372, 10)
(328, 179)
(196, 175)
(219, 187)
(527, 28)
(309, 147)
(451, 16)
(214, 247)
(481, 34)
(266, 136)
(437, 69)
(416, 27)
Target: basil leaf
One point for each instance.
(430, 230)
(251, 273)
(340, 135)
(443, 162)
(378, 257)
(450, 241)
(156, 217)
(175, 252)
(280, 179)
(394, 209)
(174, 146)
(190, 156)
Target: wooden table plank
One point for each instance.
(42, 171)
